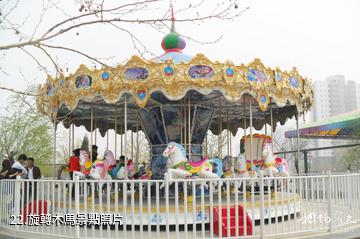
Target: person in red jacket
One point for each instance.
(74, 165)
(74, 162)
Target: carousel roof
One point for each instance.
(171, 79)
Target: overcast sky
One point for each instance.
(320, 38)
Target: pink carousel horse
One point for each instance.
(98, 169)
(130, 171)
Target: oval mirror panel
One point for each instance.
(201, 71)
(83, 81)
(136, 73)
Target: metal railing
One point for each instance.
(192, 208)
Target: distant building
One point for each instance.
(332, 97)
(358, 95)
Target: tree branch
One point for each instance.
(18, 92)
(75, 51)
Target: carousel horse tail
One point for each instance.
(218, 162)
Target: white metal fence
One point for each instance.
(182, 208)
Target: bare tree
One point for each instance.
(138, 147)
(289, 144)
(63, 150)
(44, 42)
(216, 145)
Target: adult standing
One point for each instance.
(18, 167)
(6, 166)
(33, 172)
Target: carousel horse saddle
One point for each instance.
(198, 163)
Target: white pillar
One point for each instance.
(251, 134)
(54, 155)
(73, 137)
(125, 136)
(107, 139)
(297, 139)
(115, 148)
(69, 145)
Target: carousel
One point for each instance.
(175, 99)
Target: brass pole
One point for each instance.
(185, 139)
(189, 129)
(91, 133)
(181, 125)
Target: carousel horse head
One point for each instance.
(85, 162)
(269, 160)
(268, 154)
(109, 158)
(267, 151)
(175, 153)
(240, 167)
(282, 167)
(240, 163)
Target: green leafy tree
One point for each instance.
(22, 130)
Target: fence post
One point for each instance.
(262, 205)
(17, 196)
(77, 201)
(306, 166)
(329, 192)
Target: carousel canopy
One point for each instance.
(343, 126)
(217, 92)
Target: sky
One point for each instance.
(320, 38)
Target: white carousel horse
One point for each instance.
(269, 166)
(274, 166)
(179, 167)
(240, 169)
